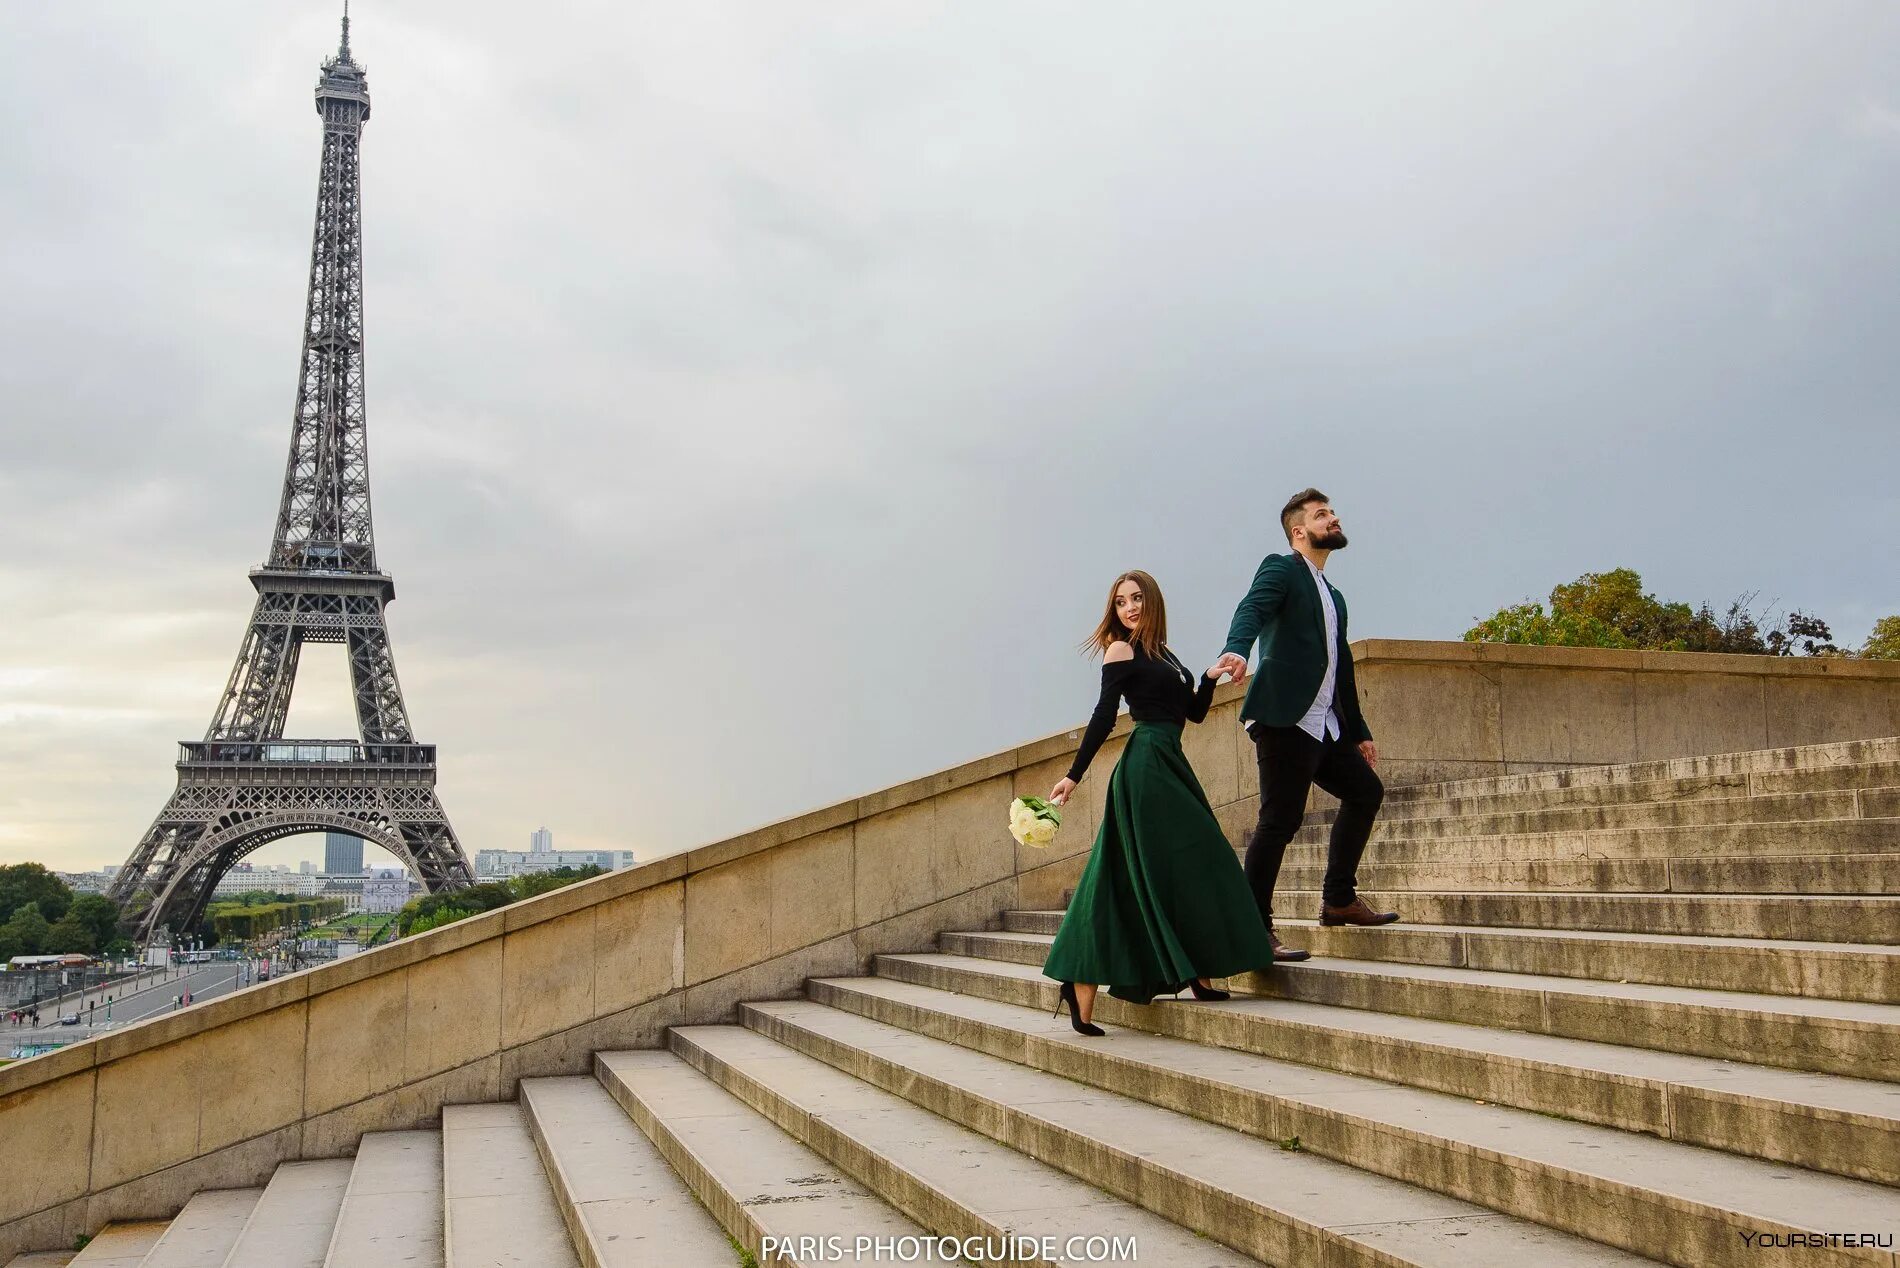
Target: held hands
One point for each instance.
(1060, 795)
(1369, 751)
(1234, 666)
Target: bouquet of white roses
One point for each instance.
(1033, 821)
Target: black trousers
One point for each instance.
(1291, 762)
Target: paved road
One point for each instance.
(119, 988)
(205, 982)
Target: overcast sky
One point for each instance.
(762, 396)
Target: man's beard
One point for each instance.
(1334, 540)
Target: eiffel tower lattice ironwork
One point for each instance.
(244, 785)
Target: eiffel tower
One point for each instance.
(244, 785)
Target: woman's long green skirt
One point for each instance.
(1162, 900)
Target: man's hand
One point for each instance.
(1234, 666)
(1369, 751)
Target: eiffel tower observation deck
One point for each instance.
(245, 784)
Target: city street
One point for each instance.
(151, 998)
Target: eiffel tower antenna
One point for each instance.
(244, 784)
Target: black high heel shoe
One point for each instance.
(1211, 994)
(1089, 1028)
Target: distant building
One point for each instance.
(385, 889)
(541, 841)
(274, 878)
(347, 888)
(307, 868)
(501, 864)
(86, 882)
(342, 854)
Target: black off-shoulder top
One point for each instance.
(1157, 690)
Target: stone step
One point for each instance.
(1785, 824)
(1675, 1201)
(1885, 774)
(392, 1211)
(951, 1180)
(1867, 919)
(1750, 762)
(1246, 1189)
(1819, 970)
(623, 1205)
(291, 1224)
(1848, 1127)
(757, 1181)
(1826, 970)
(1856, 874)
(1691, 789)
(497, 1206)
(206, 1230)
(1401, 804)
(1823, 1036)
(42, 1259)
(121, 1245)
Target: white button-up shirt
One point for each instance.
(1322, 720)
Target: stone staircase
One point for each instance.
(1636, 1014)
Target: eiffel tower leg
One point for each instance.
(438, 858)
(380, 712)
(154, 867)
(257, 697)
(193, 892)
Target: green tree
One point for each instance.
(1809, 634)
(1611, 609)
(432, 911)
(1884, 642)
(1616, 599)
(23, 883)
(534, 884)
(25, 932)
(441, 916)
(70, 934)
(101, 915)
(471, 901)
(1530, 623)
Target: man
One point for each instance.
(1302, 712)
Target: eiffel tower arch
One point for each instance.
(245, 785)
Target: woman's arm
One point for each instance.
(1116, 663)
(1204, 696)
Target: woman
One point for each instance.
(1162, 902)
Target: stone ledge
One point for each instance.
(1440, 652)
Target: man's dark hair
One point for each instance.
(1296, 504)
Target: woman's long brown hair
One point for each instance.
(1153, 634)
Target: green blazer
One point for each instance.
(1282, 610)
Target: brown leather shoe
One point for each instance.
(1354, 913)
(1282, 953)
